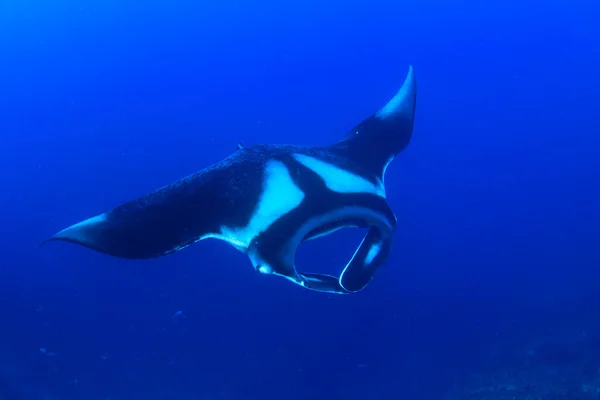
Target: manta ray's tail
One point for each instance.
(374, 142)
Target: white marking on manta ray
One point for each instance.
(280, 195)
(338, 179)
(373, 252)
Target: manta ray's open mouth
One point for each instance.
(358, 272)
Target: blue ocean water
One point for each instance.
(491, 290)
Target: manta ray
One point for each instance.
(266, 199)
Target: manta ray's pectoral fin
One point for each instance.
(375, 141)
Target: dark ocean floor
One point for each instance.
(551, 369)
(555, 367)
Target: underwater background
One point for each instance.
(492, 290)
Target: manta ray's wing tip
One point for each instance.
(45, 241)
(83, 233)
(63, 236)
(402, 105)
